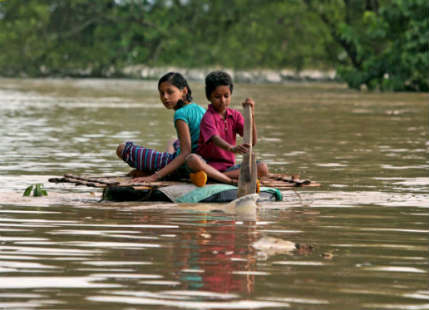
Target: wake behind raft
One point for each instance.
(122, 188)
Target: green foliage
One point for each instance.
(386, 43)
(95, 38)
(36, 189)
(378, 43)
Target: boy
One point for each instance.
(218, 129)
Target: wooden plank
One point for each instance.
(94, 180)
(247, 185)
(253, 175)
(152, 184)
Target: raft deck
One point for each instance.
(278, 181)
(125, 188)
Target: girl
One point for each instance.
(175, 94)
(218, 130)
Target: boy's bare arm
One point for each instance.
(240, 149)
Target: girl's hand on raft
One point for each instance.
(241, 148)
(136, 174)
(148, 179)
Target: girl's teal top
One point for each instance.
(191, 114)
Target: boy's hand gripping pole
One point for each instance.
(248, 170)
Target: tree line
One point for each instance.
(382, 44)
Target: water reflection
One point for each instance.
(214, 254)
(123, 255)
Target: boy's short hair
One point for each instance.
(215, 79)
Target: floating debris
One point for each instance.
(328, 255)
(269, 246)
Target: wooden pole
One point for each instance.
(247, 179)
(253, 175)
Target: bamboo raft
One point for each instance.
(120, 188)
(279, 181)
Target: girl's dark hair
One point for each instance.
(215, 79)
(176, 79)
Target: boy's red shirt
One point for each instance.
(213, 124)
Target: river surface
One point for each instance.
(363, 234)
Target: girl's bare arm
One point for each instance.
(184, 136)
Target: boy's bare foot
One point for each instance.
(234, 182)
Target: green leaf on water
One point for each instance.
(37, 190)
(27, 191)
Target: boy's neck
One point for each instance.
(221, 113)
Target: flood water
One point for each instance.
(364, 233)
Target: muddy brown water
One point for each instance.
(366, 228)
